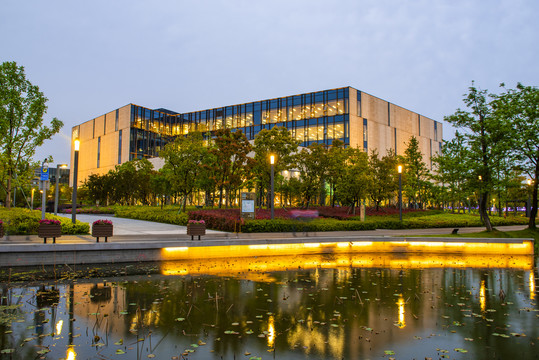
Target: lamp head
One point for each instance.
(529, 181)
(62, 166)
(399, 169)
(272, 159)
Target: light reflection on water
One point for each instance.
(320, 307)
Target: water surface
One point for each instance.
(312, 307)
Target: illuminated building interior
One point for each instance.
(347, 114)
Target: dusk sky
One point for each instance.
(92, 57)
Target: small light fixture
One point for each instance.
(399, 169)
(272, 159)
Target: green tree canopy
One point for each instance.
(22, 107)
(521, 107)
(486, 138)
(183, 163)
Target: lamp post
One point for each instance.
(399, 169)
(75, 170)
(45, 169)
(528, 205)
(32, 207)
(272, 162)
(58, 167)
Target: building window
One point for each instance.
(116, 121)
(105, 124)
(388, 114)
(419, 124)
(93, 129)
(359, 103)
(395, 136)
(435, 131)
(98, 150)
(365, 135)
(120, 147)
(430, 157)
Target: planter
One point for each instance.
(49, 231)
(102, 230)
(196, 230)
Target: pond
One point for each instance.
(307, 307)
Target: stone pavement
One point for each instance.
(129, 230)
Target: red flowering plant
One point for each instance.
(102, 222)
(49, 222)
(196, 222)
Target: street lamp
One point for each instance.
(45, 168)
(399, 169)
(75, 170)
(58, 167)
(272, 162)
(528, 205)
(33, 190)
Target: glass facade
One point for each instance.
(318, 117)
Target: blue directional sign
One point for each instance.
(44, 173)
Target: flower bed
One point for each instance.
(49, 228)
(196, 228)
(102, 228)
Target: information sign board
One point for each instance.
(248, 205)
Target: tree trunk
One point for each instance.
(8, 191)
(184, 203)
(483, 211)
(533, 212)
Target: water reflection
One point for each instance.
(322, 307)
(532, 285)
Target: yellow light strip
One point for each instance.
(436, 247)
(247, 267)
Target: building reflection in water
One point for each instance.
(532, 285)
(271, 331)
(59, 326)
(402, 323)
(71, 354)
(327, 306)
(483, 296)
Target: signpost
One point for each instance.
(44, 186)
(248, 205)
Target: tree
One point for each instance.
(312, 164)
(487, 140)
(279, 142)
(352, 187)
(452, 169)
(383, 182)
(160, 186)
(183, 160)
(336, 160)
(22, 107)
(521, 107)
(415, 171)
(230, 151)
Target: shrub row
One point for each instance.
(91, 210)
(19, 221)
(151, 213)
(224, 220)
(432, 221)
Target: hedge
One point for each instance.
(19, 221)
(152, 213)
